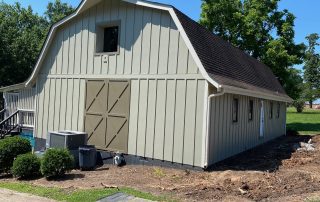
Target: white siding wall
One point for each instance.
(150, 44)
(227, 138)
(167, 90)
(166, 119)
(60, 105)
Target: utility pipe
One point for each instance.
(220, 93)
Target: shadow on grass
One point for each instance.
(267, 157)
(312, 127)
(66, 177)
(26, 179)
(308, 113)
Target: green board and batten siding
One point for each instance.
(167, 90)
(227, 138)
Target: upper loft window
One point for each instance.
(111, 39)
(107, 38)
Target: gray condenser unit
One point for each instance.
(70, 140)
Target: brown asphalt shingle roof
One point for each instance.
(227, 64)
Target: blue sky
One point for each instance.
(307, 13)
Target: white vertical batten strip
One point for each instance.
(35, 118)
(204, 153)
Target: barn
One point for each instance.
(143, 79)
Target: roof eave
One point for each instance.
(258, 94)
(12, 87)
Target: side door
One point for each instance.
(107, 114)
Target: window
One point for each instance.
(271, 110)
(278, 110)
(250, 110)
(235, 110)
(107, 37)
(111, 38)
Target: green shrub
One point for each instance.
(26, 166)
(56, 162)
(10, 148)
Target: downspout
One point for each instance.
(220, 93)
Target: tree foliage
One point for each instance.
(312, 69)
(294, 85)
(22, 34)
(259, 28)
(57, 10)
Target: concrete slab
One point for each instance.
(13, 196)
(121, 197)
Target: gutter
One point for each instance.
(221, 92)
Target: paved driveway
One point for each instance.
(12, 196)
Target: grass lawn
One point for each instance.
(90, 195)
(305, 123)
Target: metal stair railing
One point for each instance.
(9, 124)
(26, 118)
(2, 114)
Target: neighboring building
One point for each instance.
(314, 106)
(144, 79)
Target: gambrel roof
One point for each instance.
(221, 64)
(227, 64)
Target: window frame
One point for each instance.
(250, 110)
(271, 110)
(235, 114)
(99, 37)
(278, 110)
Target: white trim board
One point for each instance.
(101, 76)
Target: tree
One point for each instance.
(312, 69)
(259, 28)
(57, 10)
(296, 89)
(22, 33)
(295, 84)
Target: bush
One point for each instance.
(56, 162)
(10, 148)
(26, 166)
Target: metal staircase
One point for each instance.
(13, 124)
(9, 125)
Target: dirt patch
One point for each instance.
(274, 171)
